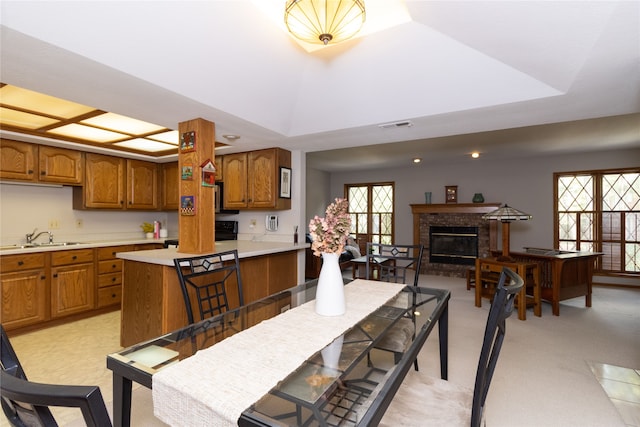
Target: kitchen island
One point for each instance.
(152, 302)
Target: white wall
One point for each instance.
(525, 184)
(24, 207)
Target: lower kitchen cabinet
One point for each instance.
(72, 282)
(110, 275)
(23, 287)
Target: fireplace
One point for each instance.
(456, 215)
(453, 245)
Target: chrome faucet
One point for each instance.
(31, 237)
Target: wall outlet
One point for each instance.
(79, 223)
(54, 224)
(252, 223)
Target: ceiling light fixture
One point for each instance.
(417, 160)
(475, 154)
(324, 21)
(230, 137)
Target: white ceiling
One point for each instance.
(453, 68)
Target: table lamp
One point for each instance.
(506, 214)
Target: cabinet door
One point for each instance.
(263, 183)
(104, 182)
(72, 289)
(24, 298)
(17, 160)
(60, 165)
(219, 168)
(142, 185)
(235, 180)
(170, 186)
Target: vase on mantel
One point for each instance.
(330, 290)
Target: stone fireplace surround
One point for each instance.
(451, 215)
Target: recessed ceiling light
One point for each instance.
(417, 160)
(475, 154)
(231, 137)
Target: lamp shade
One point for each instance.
(324, 21)
(506, 213)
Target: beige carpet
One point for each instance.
(543, 377)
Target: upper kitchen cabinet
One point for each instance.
(252, 179)
(219, 168)
(59, 165)
(142, 185)
(18, 160)
(103, 185)
(170, 185)
(23, 161)
(109, 180)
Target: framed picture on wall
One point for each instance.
(451, 193)
(285, 183)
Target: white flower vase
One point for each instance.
(330, 290)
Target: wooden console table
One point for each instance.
(563, 274)
(488, 271)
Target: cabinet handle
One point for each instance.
(74, 257)
(55, 275)
(113, 266)
(43, 277)
(113, 279)
(20, 263)
(113, 295)
(30, 171)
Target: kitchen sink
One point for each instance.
(37, 245)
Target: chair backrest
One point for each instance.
(508, 287)
(27, 403)
(390, 263)
(209, 278)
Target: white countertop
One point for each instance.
(246, 249)
(82, 245)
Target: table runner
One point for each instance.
(214, 386)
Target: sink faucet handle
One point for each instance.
(50, 237)
(30, 235)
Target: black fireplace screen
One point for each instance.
(453, 245)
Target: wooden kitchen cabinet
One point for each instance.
(18, 160)
(170, 181)
(60, 165)
(110, 180)
(103, 185)
(24, 290)
(219, 161)
(23, 161)
(252, 179)
(72, 282)
(109, 275)
(142, 185)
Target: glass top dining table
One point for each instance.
(353, 387)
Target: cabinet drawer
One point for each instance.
(71, 257)
(21, 262)
(109, 296)
(110, 266)
(111, 251)
(109, 279)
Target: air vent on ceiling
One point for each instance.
(403, 124)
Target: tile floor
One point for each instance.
(622, 385)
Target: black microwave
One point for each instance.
(219, 200)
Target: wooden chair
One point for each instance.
(27, 403)
(423, 400)
(398, 264)
(208, 280)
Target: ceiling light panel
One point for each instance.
(9, 117)
(144, 144)
(170, 137)
(34, 101)
(123, 124)
(89, 133)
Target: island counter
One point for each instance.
(152, 302)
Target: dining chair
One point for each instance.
(423, 400)
(27, 403)
(208, 280)
(398, 264)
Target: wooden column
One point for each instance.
(196, 223)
